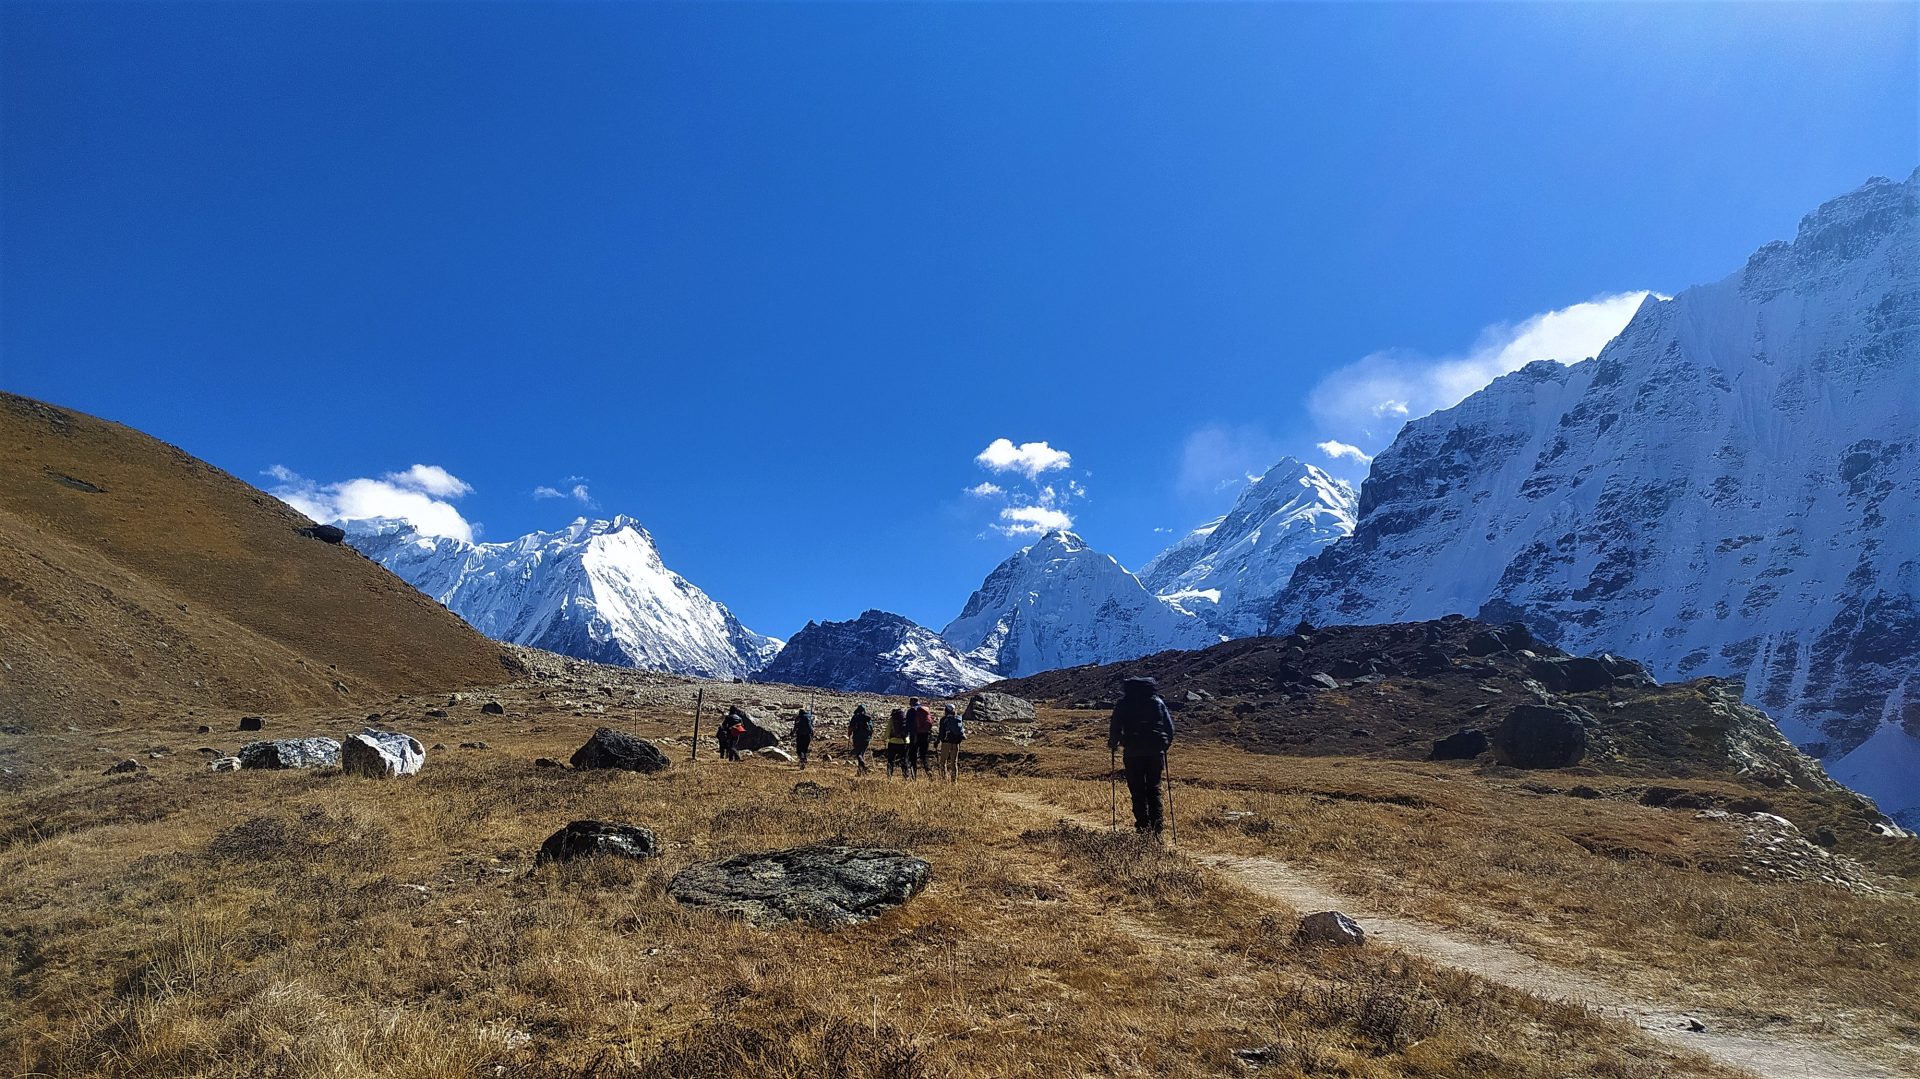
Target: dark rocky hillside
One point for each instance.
(1395, 690)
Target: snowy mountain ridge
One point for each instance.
(1060, 603)
(878, 652)
(1731, 487)
(597, 590)
(1229, 570)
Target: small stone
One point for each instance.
(436, 713)
(224, 764)
(546, 762)
(494, 708)
(583, 838)
(120, 768)
(1330, 927)
(204, 729)
(475, 745)
(252, 723)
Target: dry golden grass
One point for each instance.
(1645, 897)
(180, 922)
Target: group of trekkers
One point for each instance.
(911, 735)
(1140, 732)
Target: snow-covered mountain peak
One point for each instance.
(596, 589)
(1060, 603)
(1230, 569)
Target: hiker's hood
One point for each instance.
(1139, 687)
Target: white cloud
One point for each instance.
(1217, 456)
(400, 495)
(1029, 508)
(1367, 401)
(1029, 459)
(577, 491)
(1031, 520)
(1337, 450)
(430, 479)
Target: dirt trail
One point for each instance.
(1768, 1057)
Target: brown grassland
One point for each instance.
(182, 922)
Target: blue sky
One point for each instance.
(771, 278)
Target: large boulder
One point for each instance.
(1571, 674)
(378, 754)
(1462, 745)
(1541, 736)
(1511, 637)
(990, 707)
(825, 886)
(290, 753)
(584, 838)
(760, 733)
(609, 748)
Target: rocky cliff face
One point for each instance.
(595, 589)
(1229, 570)
(1060, 603)
(1732, 487)
(876, 653)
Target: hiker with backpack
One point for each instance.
(897, 744)
(803, 735)
(1142, 730)
(920, 720)
(861, 728)
(952, 733)
(731, 728)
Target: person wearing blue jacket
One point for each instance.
(1142, 730)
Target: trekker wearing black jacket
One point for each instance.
(861, 728)
(1142, 730)
(803, 735)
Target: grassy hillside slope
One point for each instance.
(135, 576)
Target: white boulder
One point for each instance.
(381, 754)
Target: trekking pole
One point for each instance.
(1173, 833)
(699, 702)
(1113, 789)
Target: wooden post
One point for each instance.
(699, 703)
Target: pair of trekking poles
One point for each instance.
(1113, 791)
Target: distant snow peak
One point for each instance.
(1731, 487)
(1060, 603)
(878, 652)
(1229, 570)
(596, 589)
